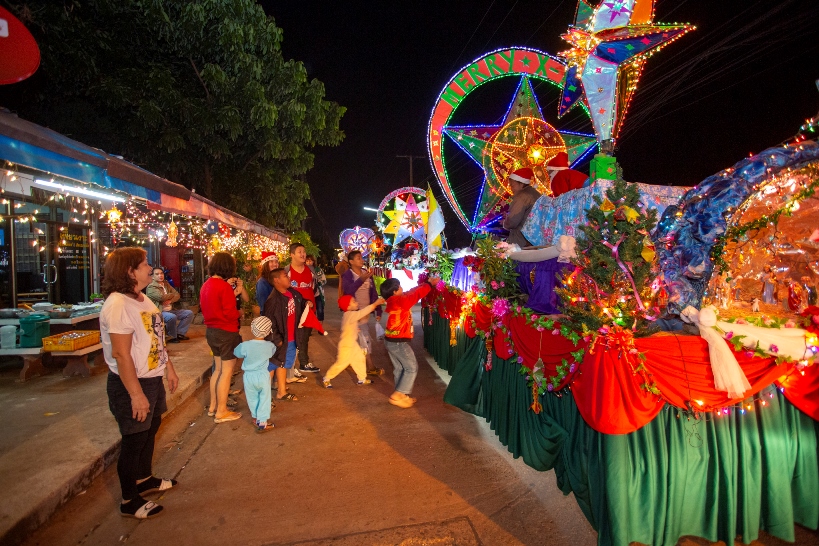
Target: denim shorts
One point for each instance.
(289, 358)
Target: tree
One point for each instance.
(616, 258)
(196, 91)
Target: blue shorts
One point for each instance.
(289, 358)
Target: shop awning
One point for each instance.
(204, 208)
(31, 145)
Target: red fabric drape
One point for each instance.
(550, 348)
(803, 390)
(681, 368)
(606, 388)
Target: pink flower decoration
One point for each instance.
(550, 387)
(503, 284)
(749, 354)
(742, 321)
(517, 309)
(773, 349)
(604, 330)
(534, 318)
(441, 286)
(790, 324)
(520, 360)
(729, 335)
(500, 307)
(767, 321)
(494, 285)
(556, 332)
(540, 328)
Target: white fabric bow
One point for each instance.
(728, 375)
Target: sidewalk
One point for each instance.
(58, 434)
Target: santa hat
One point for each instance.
(524, 175)
(310, 320)
(261, 326)
(267, 257)
(344, 302)
(558, 162)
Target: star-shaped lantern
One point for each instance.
(610, 44)
(407, 219)
(523, 139)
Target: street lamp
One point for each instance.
(370, 208)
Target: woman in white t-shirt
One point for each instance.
(133, 343)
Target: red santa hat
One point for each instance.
(558, 162)
(267, 257)
(310, 320)
(344, 302)
(524, 175)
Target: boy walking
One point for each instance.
(257, 353)
(350, 353)
(398, 336)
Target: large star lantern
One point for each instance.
(407, 220)
(523, 139)
(610, 44)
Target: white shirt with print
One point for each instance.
(124, 315)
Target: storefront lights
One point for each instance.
(80, 191)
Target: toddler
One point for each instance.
(350, 353)
(257, 353)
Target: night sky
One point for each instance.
(743, 81)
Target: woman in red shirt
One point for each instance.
(217, 300)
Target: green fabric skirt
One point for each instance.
(720, 478)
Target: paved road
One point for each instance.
(342, 466)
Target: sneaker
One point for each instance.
(298, 373)
(301, 379)
(365, 382)
(376, 371)
(182, 337)
(310, 368)
(326, 384)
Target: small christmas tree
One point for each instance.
(612, 282)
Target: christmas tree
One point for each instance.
(612, 284)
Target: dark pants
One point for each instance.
(135, 458)
(137, 449)
(303, 340)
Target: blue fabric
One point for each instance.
(256, 354)
(688, 231)
(542, 295)
(462, 277)
(263, 291)
(32, 156)
(552, 217)
(404, 365)
(258, 393)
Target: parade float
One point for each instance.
(410, 226)
(658, 350)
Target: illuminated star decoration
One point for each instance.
(610, 45)
(407, 220)
(523, 139)
(357, 238)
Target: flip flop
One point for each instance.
(234, 393)
(232, 416)
(290, 397)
